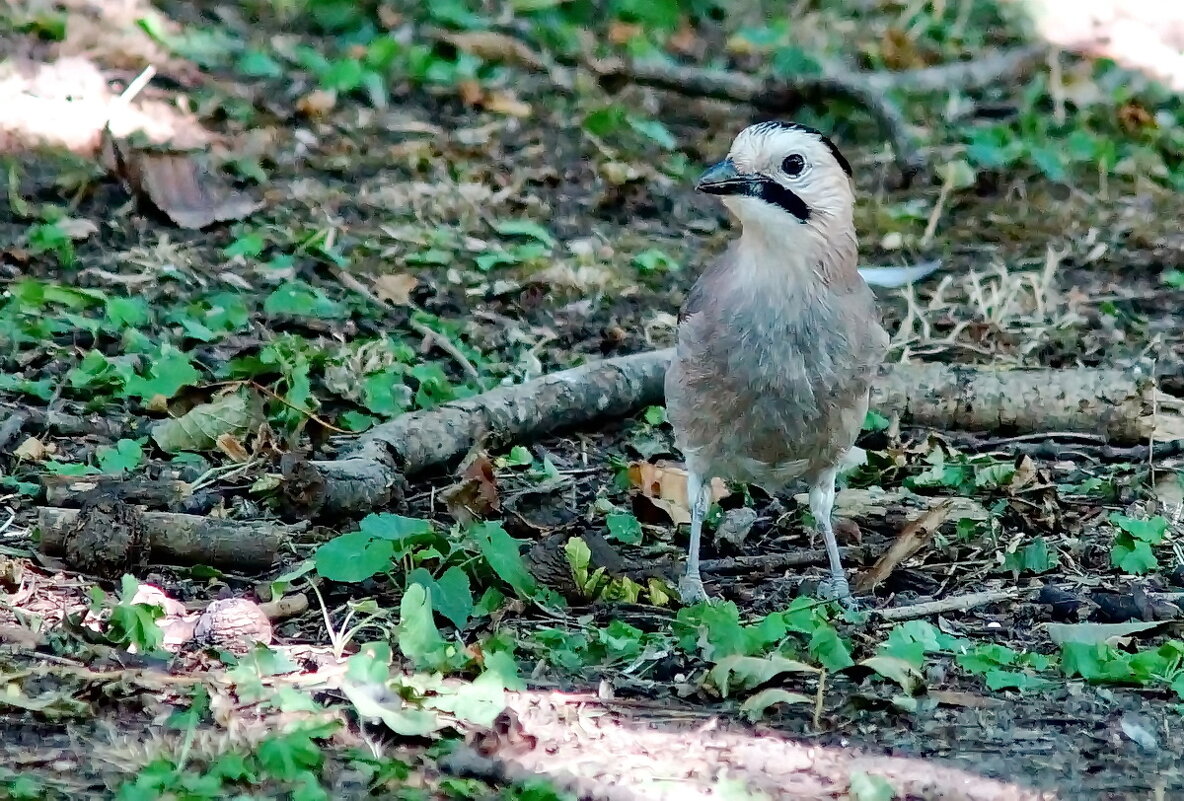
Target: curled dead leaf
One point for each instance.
(475, 496)
(180, 185)
(494, 46)
(507, 103)
(31, 450)
(233, 447)
(395, 288)
(316, 104)
(665, 485)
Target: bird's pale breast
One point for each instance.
(767, 387)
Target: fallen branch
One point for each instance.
(179, 539)
(955, 603)
(1114, 403)
(780, 561)
(60, 423)
(776, 95)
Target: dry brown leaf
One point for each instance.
(475, 496)
(31, 450)
(471, 93)
(1025, 475)
(180, 186)
(233, 447)
(494, 46)
(665, 485)
(316, 104)
(912, 538)
(507, 103)
(395, 288)
(622, 32)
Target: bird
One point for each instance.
(779, 339)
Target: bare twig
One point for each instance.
(430, 336)
(778, 561)
(448, 346)
(912, 538)
(955, 603)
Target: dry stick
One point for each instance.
(912, 538)
(774, 95)
(1114, 403)
(778, 561)
(445, 344)
(955, 603)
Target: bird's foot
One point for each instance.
(691, 590)
(836, 588)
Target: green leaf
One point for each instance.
(715, 629)
(755, 707)
(624, 527)
(874, 421)
(126, 455)
(1032, 558)
(1151, 530)
(397, 528)
(502, 553)
(654, 130)
(353, 557)
(1135, 557)
(1015, 680)
(298, 299)
(1098, 662)
(384, 392)
(527, 228)
(127, 312)
(518, 457)
(502, 663)
(257, 64)
(868, 787)
(901, 671)
(343, 75)
(418, 637)
(451, 594)
(738, 673)
(1050, 161)
(655, 261)
(986, 656)
(477, 702)
(170, 371)
(829, 649)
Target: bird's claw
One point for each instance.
(836, 588)
(691, 590)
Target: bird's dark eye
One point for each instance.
(793, 165)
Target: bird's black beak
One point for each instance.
(725, 179)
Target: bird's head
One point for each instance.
(781, 176)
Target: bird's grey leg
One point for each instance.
(690, 588)
(822, 504)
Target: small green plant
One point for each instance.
(1131, 551)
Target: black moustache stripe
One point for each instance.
(772, 192)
